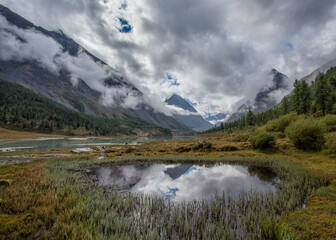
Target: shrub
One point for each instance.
(329, 121)
(306, 134)
(183, 149)
(262, 140)
(202, 146)
(279, 125)
(228, 148)
(207, 145)
(129, 150)
(241, 137)
(281, 135)
(331, 143)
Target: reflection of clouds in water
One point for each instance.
(198, 182)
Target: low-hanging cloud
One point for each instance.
(31, 45)
(219, 50)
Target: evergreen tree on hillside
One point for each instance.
(21, 108)
(331, 76)
(284, 106)
(296, 96)
(250, 118)
(301, 98)
(305, 97)
(322, 90)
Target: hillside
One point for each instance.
(317, 99)
(64, 71)
(21, 108)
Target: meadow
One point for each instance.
(55, 198)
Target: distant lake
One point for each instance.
(186, 182)
(43, 144)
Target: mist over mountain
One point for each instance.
(267, 97)
(323, 69)
(189, 116)
(217, 118)
(214, 55)
(53, 64)
(178, 101)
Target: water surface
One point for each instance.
(44, 144)
(186, 182)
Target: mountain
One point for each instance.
(23, 109)
(267, 97)
(217, 118)
(188, 115)
(53, 64)
(178, 101)
(323, 69)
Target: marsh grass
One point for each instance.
(107, 214)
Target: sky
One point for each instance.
(215, 53)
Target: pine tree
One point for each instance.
(301, 97)
(296, 96)
(284, 106)
(322, 92)
(250, 118)
(305, 98)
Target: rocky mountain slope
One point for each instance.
(53, 64)
(188, 115)
(267, 97)
(23, 109)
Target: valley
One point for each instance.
(197, 136)
(69, 175)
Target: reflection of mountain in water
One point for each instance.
(186, 182)
(177, 171)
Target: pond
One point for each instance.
(187, 182)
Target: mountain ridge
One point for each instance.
(217, 118)
(23, 109)
(177, 100)
(81, 96)
(193, 120)
(264, 99)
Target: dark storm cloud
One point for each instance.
(293, 16)
(219, 50)
(189, 18)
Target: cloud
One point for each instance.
(180, 111)
(20, 45)
(30, 45)
(219, 50)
